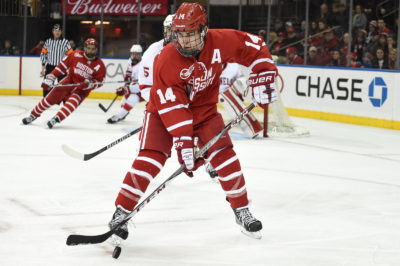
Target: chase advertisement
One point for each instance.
(365, 93)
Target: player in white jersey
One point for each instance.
(146, 68)
(131, 90)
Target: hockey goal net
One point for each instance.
(275, 121)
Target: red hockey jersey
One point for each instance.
(185, 90)
(79, 68)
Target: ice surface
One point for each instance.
(329, 199)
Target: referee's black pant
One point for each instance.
(50, 68)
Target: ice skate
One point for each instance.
(122, 233)
(53, 121)
(249, 225)
(116, 118)
(29, 119)
(212, 173)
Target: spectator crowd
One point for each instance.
(373, 42)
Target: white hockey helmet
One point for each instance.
(136, 48)
(167, 29)
(168, 20)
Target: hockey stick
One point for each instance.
(74, 240)
(94, 83)
(84, 157)
(106, 109)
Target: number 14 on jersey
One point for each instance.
(169, 95)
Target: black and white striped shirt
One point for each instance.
(54, 51)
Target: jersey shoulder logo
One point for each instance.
(78, 55)
(97, 67)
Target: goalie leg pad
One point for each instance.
(146, 166)
(234, 105)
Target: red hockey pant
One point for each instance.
(155, 148)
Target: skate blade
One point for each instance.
(255, 235)
(215, 180)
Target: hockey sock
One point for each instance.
(126, 107)
(230, 176)
(70, 105)
(146, 166)
(42, 106)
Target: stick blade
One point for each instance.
(73, 153)
(74, 240)
(102, 108)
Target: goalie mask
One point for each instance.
(136, 53)
(167, 29)
(90, 47)
(189, 29)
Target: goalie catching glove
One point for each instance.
(48, 81)
(186, 155)
(263, 88)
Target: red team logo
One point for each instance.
(199, 80)
(186, 72)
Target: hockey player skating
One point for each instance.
(83, 67)
(182, 111)
(131, 90)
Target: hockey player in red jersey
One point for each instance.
(83, 67)
(130, 91)
(183, 109)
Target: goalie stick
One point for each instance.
(106, 109)
(84, 157)
(74, 240)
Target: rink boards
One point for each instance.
(358, 96)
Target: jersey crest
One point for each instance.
(199, 78)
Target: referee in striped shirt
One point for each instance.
(53, 51)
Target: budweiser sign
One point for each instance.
(116, 7)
